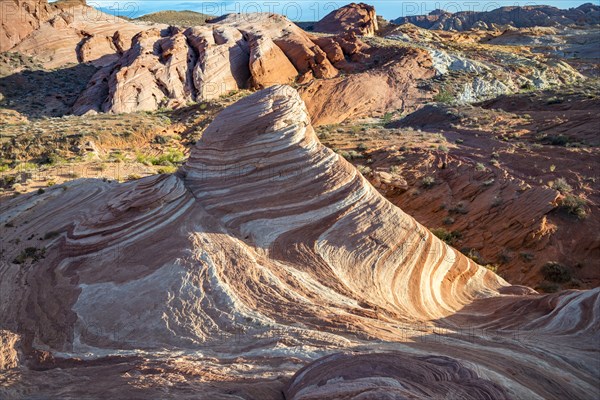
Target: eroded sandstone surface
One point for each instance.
(64, 32)
(264, 252)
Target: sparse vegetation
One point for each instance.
(574, 205)
(562, 186)
(428, 182)
(168, 169)
(444, 97)
(447, 236)
(448, 221)
(51, 235)
(365, 170)
(170, 158)
(459, 208)
(556, 272)
(29, 253)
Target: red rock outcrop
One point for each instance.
(264, 252)
(359, 19)
(268, 63)
(29, 13)
(205, 62)
(64, 32)
(391, 88)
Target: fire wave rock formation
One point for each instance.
(264, 252)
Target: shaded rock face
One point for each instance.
(389, 376)
(359, 19)
(170, 67)
(518, 17)
(267, 250)
(63, 32)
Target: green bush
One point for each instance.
(556, 272)
(32, 253)
(574, 205)
(562, 186)
(447, 236)
(443, 97)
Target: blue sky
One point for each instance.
(311, 10)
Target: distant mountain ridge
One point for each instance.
(519, 17)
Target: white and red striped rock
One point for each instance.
(265, 252)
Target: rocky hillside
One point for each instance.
(517, 17)
(184, 18)
(511, 182)
(261, 257)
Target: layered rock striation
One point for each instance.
(265, 251)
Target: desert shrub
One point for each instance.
(161, 139)
(554, 100)
(365, 170)
(168, 169)
(447, 236)
(362, 147)
(556, 272)
(51, 235)
(428, 181)
(574, 205)
(473, 255)
(528, 87)
(29, 253)
(443, 148)
(480, 167)
(169, 158)
(443, 97)
(459, 208)
(448, 221)
(492, 267)
(562, 186)
(557, 140)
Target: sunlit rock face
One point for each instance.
(64, 32)
(170, 67)
(265, 252)
(359, 19)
